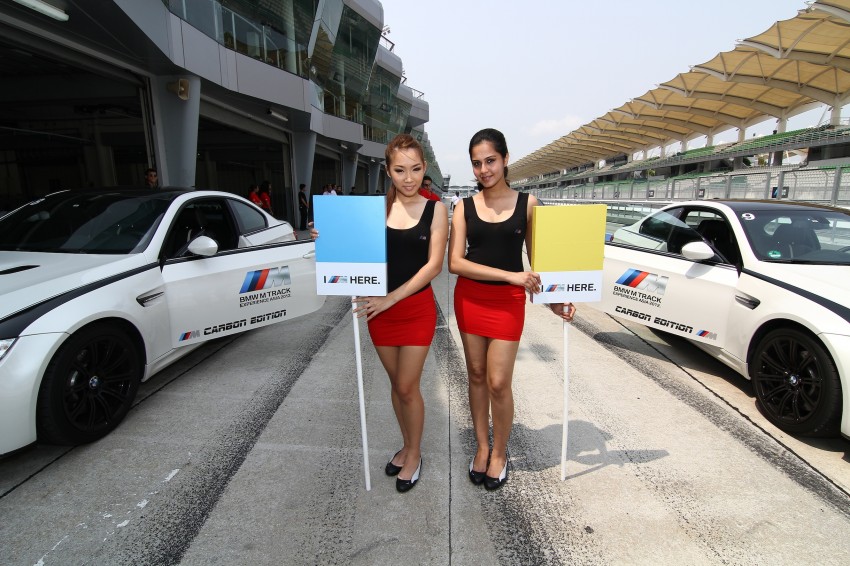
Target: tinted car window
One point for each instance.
(107, 223)
(201, 217)
(715, 231)
(250, 220)
(799, 235)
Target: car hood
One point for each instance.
(828, 281)
(27, 278)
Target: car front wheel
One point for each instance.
(796, 383)
(88, 386)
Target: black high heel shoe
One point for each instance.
(476, 477)
(406, 485)
(391, 469)
(495, 483)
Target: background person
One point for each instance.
(254, 194)
(402, 323)
(426, 191)
(266, 196)
(303, 207)
(151, 178)
(485, 251)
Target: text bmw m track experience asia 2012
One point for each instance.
(103, 288)
(760, 285)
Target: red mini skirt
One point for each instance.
(409, 322)
(492, 311)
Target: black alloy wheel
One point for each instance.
(89, 385)
(796, 383)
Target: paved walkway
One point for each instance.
(248, 452)
(659, 470)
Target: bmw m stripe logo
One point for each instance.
(266, 279)
(644, 281)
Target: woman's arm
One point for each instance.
(436, 252)
(529, 210)
(459, 265)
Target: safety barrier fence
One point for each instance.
(825, 185)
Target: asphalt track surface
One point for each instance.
(248, 452)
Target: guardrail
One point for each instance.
(825, 185)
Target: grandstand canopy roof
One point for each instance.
(793, 66)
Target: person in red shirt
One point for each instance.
(265, 196)
(254, 194)
(426, 191)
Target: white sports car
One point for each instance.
(103, 288)
(760, 285)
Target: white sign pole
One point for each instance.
(566, 402)
(364, 439)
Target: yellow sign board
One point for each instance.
(568, 250)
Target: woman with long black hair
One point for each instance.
(489, 230)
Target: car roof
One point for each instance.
(167, 192)
(748, 205)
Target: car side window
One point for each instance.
(203, 217)
(716, 232)
(657, 226)
(249, 219)
(667, 232)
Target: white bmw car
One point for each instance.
(103, 288)
(762, 286)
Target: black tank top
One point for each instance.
(496, 244)
(407, 250)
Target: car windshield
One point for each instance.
(799, 235)
(96, 223)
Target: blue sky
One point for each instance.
(538, 69)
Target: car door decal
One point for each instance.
(239, 290)
(658, 289)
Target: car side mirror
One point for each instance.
(203, 246)
(697, 251)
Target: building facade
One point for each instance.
(214, 94)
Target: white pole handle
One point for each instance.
(364, 439)
(566, 402)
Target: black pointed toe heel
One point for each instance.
(391, 469)
(403, 486)
(495, 483)
(476, 477)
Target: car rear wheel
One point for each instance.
(796, 384)
(88, 386)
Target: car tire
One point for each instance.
(89, 385)
(796, 384)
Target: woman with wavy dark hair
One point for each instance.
(489, 230)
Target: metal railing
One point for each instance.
(256, 40)
(825, 185)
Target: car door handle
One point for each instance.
(309, 255)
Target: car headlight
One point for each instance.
(5, 346)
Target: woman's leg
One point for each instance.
(389, 356)
(501, 356)
(407, 398)
(475, 352)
